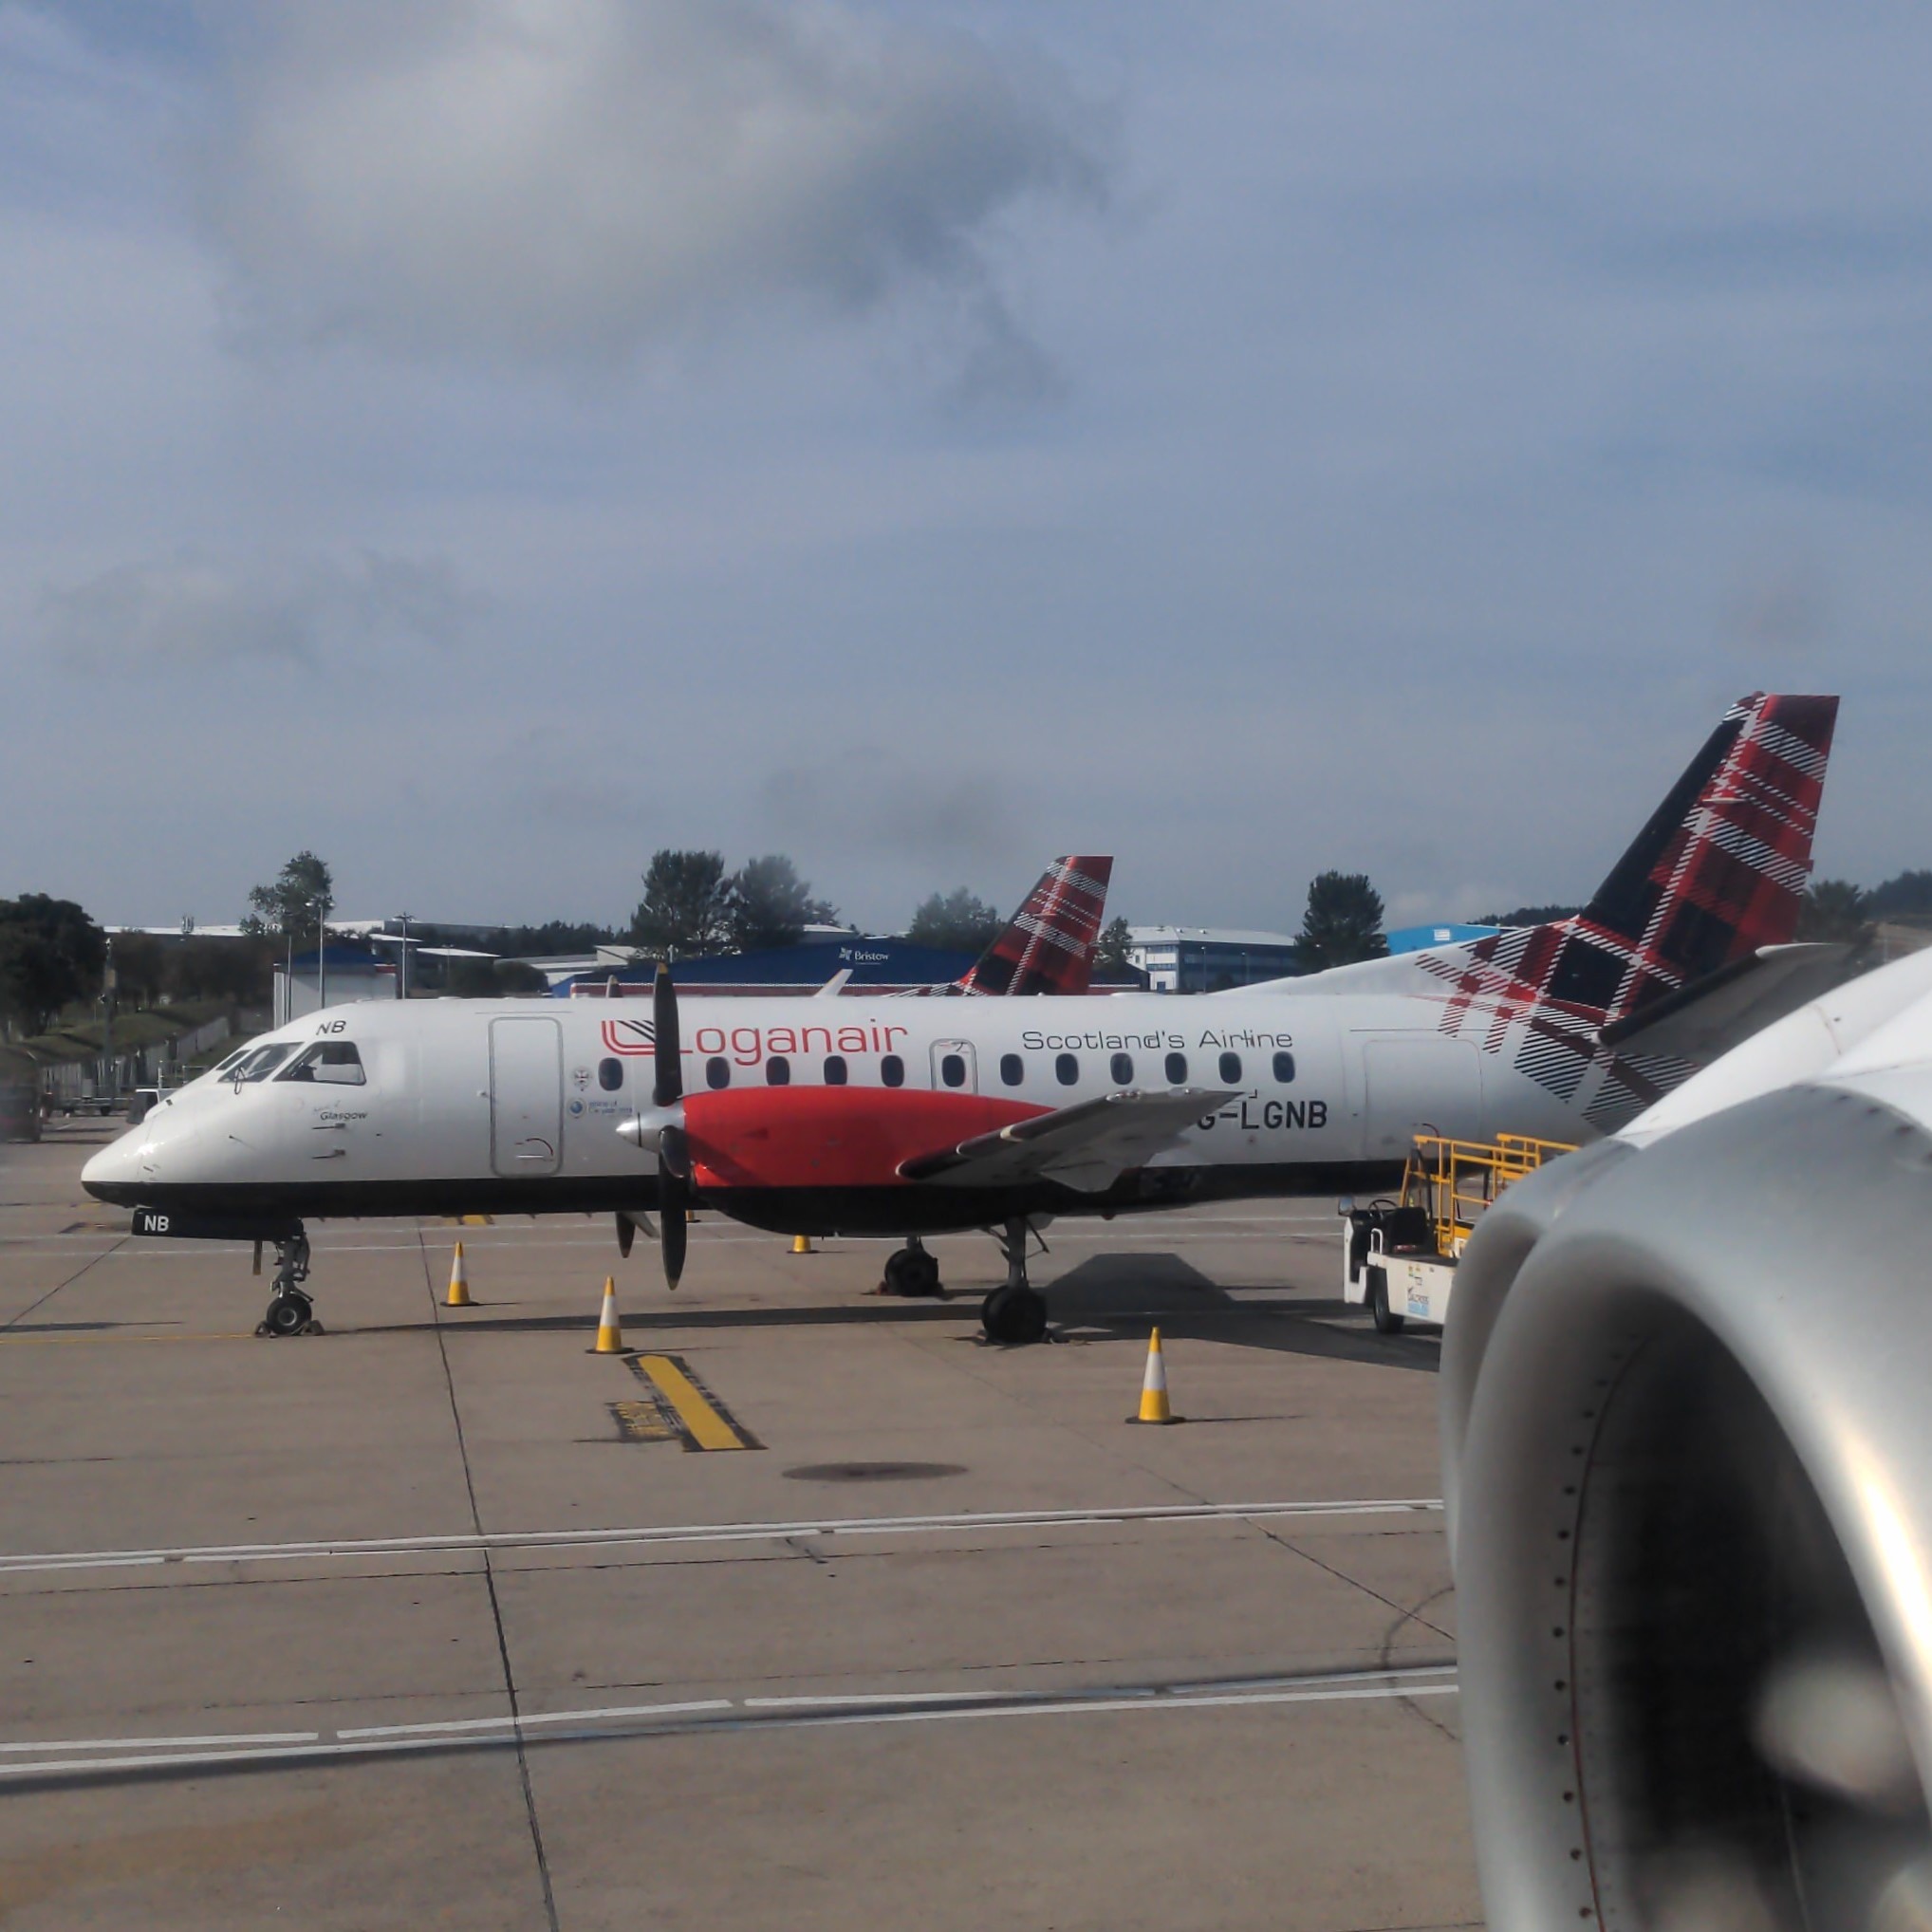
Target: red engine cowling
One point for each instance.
(829, 1137)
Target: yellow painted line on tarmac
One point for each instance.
(704, 1421)
(469, 1221)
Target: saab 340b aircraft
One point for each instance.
(913, 1116)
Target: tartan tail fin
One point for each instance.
(1047, 946)
(1717, 871)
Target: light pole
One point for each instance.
(403, 920)
(108, 1019)
(322, 904)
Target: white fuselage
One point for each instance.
(514, 1105)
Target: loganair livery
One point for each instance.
(911, 1117)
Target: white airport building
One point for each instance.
(1207, 959)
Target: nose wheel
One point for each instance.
(291, 1312)
(911, 1270)
(1014, 1315)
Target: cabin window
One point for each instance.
(1065, 1069)
(328, 1063)
(717, 1071)
(1122, 1068)
(1012, 1069)
(1230, 1069)
(892, 1070)
(1284, 1069)
(1177, 1069)
(778, 1071)
(610, 1075)
(835, 1070)
(953, 1070)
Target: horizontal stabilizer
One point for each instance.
(1710, 1015)
(1085, 1146)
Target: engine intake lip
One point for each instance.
(1694, 1446)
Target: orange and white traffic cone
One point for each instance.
(458, 1296)
(609, 1335)
(1154, 1386)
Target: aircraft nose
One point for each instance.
(117, 1171)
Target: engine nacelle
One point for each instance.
(1687, 1407)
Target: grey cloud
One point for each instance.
(871, 802)
(1779, 606)
(1002, 365)
(189, 610)
(565, 181)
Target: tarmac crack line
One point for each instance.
(530, 1797)
(1401, 1611)
(1429, 1718)
(94, 1262)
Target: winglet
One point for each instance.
(1048, 944)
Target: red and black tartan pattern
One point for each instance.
(1049, 947)
(1717, 872)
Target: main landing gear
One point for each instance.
(1015, 1314)
(291, 1312)
(910, 1270)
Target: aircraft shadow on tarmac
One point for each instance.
(1107, 1298)
(1114, 1297)
(777, 1316)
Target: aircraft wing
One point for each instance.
(1087, 1145)
(1713, 1014)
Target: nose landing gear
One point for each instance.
(1015, 1314)
(291, 1312)
(911, 1270)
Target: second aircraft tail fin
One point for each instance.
(1048, 945)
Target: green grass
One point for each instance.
(80, 1039)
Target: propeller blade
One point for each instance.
(669, 1059)
(674, 1153)
(673, 1198)
(626, 1233)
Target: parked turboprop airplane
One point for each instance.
(907, 1118)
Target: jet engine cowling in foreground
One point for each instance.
(1687, 1408)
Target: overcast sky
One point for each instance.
(485, 440)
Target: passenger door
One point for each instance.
(526, 1096)
(956, 1066)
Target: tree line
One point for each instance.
(53, 955)
(1833, 910)
(1837, 909)
(692, 908)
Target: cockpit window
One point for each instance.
(259, 1062)
(331, 1063)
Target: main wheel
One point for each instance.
(289, 1314)
(1387, 1320)
(1014, 1318)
